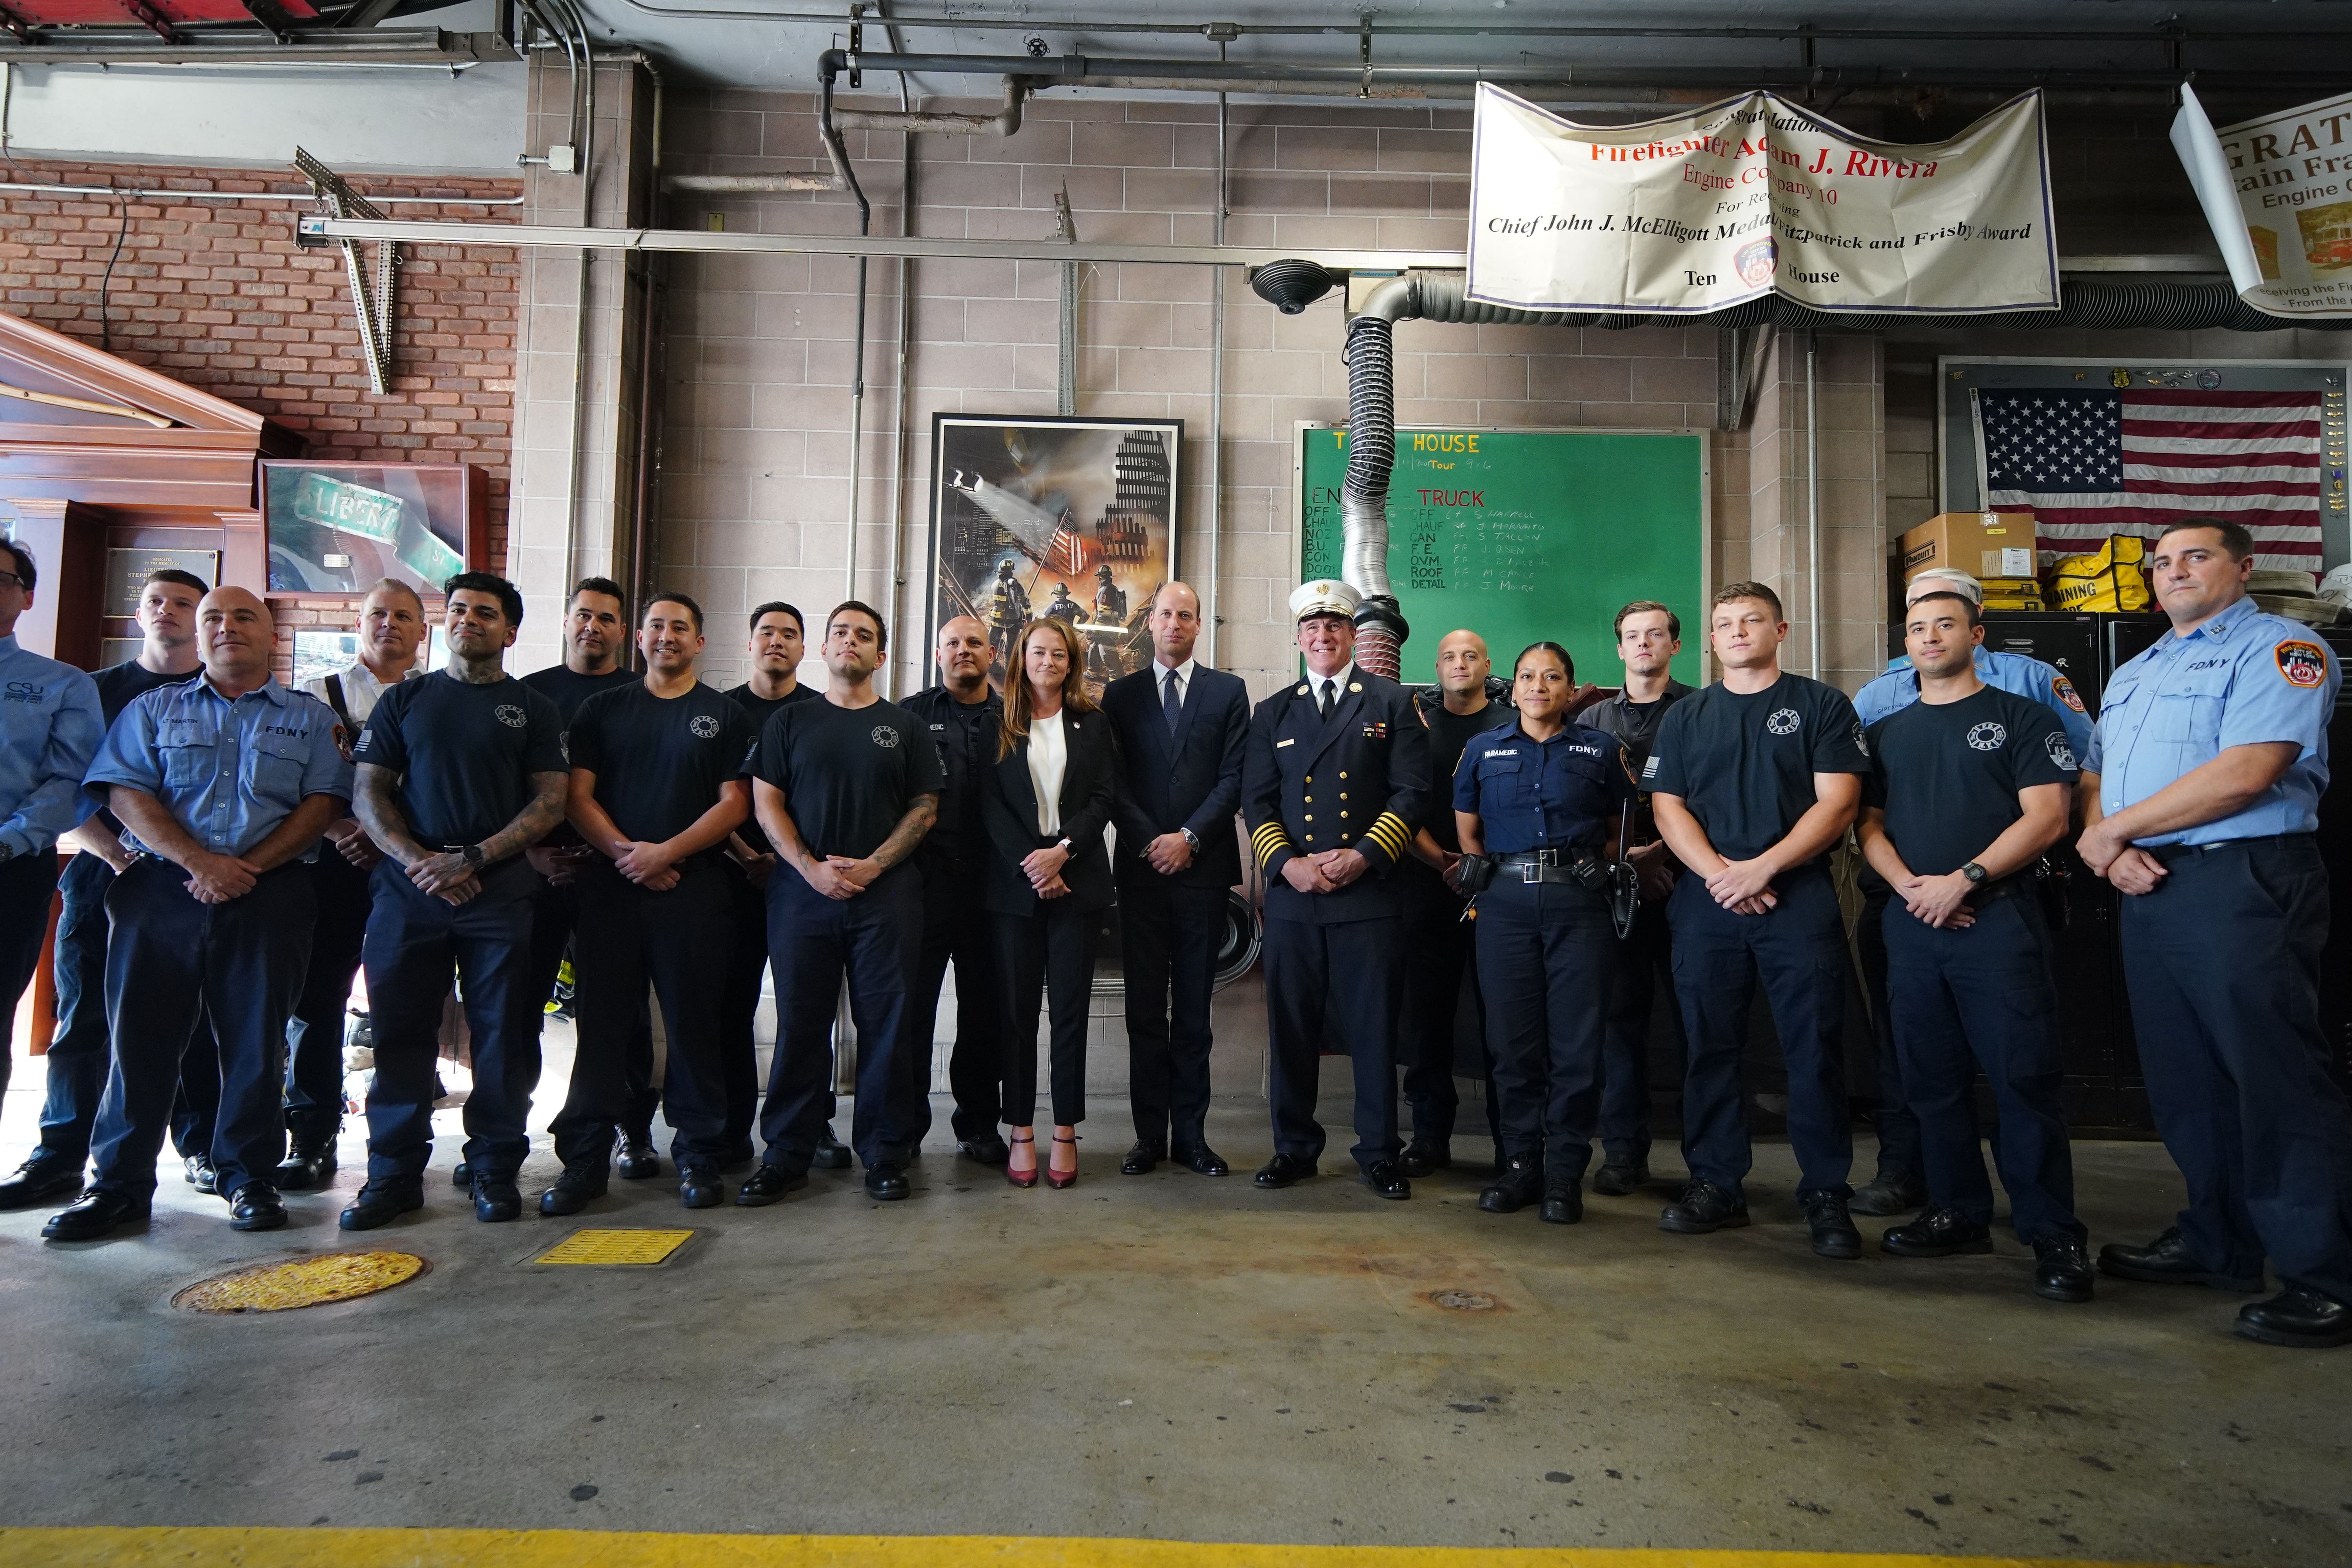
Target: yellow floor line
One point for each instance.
(155, 1547)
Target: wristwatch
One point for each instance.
(1192, 838)
(473, 853)
(1973, 872)
(1063, 845)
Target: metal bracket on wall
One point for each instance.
(373, 305)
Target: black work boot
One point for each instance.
(1703, 1207)
(1519, 1183)
(1937, 1233)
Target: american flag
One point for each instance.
(2089, 463)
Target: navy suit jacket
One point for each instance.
(1008, 806)
(1192, 779)
(1357, 780)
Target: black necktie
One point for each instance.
(1172, 699)
(1330, 689)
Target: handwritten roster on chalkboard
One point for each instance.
(1523, 535)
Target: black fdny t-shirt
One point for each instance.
(568, 689)
(660, 761)
(1449, 734)
(848, 773)
(1948, 774)
(119, 686)
(1744, 764)
(759, 709)
(464, 753)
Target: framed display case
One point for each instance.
(335, 528)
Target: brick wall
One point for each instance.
(217, 295)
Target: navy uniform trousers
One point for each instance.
(414, 940)
(554, 916)
(1440, 953)
(1799, 952)
(1984, 995)
(873, 938)
(80, 1051)
(676, 941)
(171, 962)
(1544, 963)
(956, 930)
(2224, 964)
(1170, 932)
(1897, 1125)
(1346, 975)
(314, 1040)
(739, 1010)
(1636, 967)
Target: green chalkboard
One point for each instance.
(1522, 535)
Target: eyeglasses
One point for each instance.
(11, 579)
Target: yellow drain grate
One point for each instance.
(623, 1247)
(301, 1282)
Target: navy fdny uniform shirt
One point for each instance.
(848, 773)
(760, 708)
(1531, 795)
(1743, 763)
(464, 753)
(966, 733)
(1947, 774)
(1356, 781)
(660, 761)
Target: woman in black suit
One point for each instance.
(1045, 804)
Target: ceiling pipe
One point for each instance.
(748, 184)
(1003, 123)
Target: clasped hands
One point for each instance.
(1043, 869)
(2126, 865)
(1325, 872)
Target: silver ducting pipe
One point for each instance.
(748, 184)
(1003, 123)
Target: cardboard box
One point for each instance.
(1981, 543)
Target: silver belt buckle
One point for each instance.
(1532, 871)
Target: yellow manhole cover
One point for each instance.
(616, 1246)
(301, 1282)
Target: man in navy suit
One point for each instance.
(1336, 772)
(1181, 729)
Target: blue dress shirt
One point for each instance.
(1532, 794)
(50, 724)
(2241, 679)
(2027, 676)
(228, 772)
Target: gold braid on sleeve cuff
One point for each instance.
(1390, 832)
(1268, 838)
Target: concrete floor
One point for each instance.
(1174, 1357)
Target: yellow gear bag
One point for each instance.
(2109, 578)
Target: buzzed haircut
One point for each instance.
(778, 607)
(881, 626)
(1732, 592)
(1642, 606)
(178, 579)
(1965, 602)
(603, 586)
(395, 585)
(2235, 537)
(509, 596)
(27, 570)
(693, 610)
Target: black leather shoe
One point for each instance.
(98, 1212)
(255, 1206)
(461, 1175)
(497, 1199)
(700, 1190)
(1386, 1178)
(1284, 1170)
(43, 1177)
(1704, 1207)
(768, 1184)
(1937, 1233)
(1519, 1184)
(1833, 1228)
(887, 1183)
(2299, 1318)
(306, 1168)
(634, 1159)
(2166, 1260)
(197, 1171)
(1888, 1195)
(1141, 1160)
(1563, 1204)
(1618, 1179)
(380, 1202)
(989, 1151)
(738, 1159)
(575, 1188)
(1426, 1157)
(2062, 1268)
(1202, 1161)
(830, 1156)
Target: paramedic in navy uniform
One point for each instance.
(2201, 797)
(1336, 772)
(1753, 781)
(459, 772)
(1970, 784)
(1539, 804)
(224, 785)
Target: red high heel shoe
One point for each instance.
(1027, 1178)
(1060, 1179)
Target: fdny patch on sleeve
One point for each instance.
(2302, 665)
(2064, 689)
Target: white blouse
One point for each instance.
(1049, 755)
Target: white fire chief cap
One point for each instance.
(1324, 596)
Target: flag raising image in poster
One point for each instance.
(1756, 195)
(2091, 463)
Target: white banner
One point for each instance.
(1756, 195)
(2278, 195)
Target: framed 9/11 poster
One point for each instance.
(1041, 516)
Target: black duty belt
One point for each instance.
(2166, 854)
(1547, 864)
